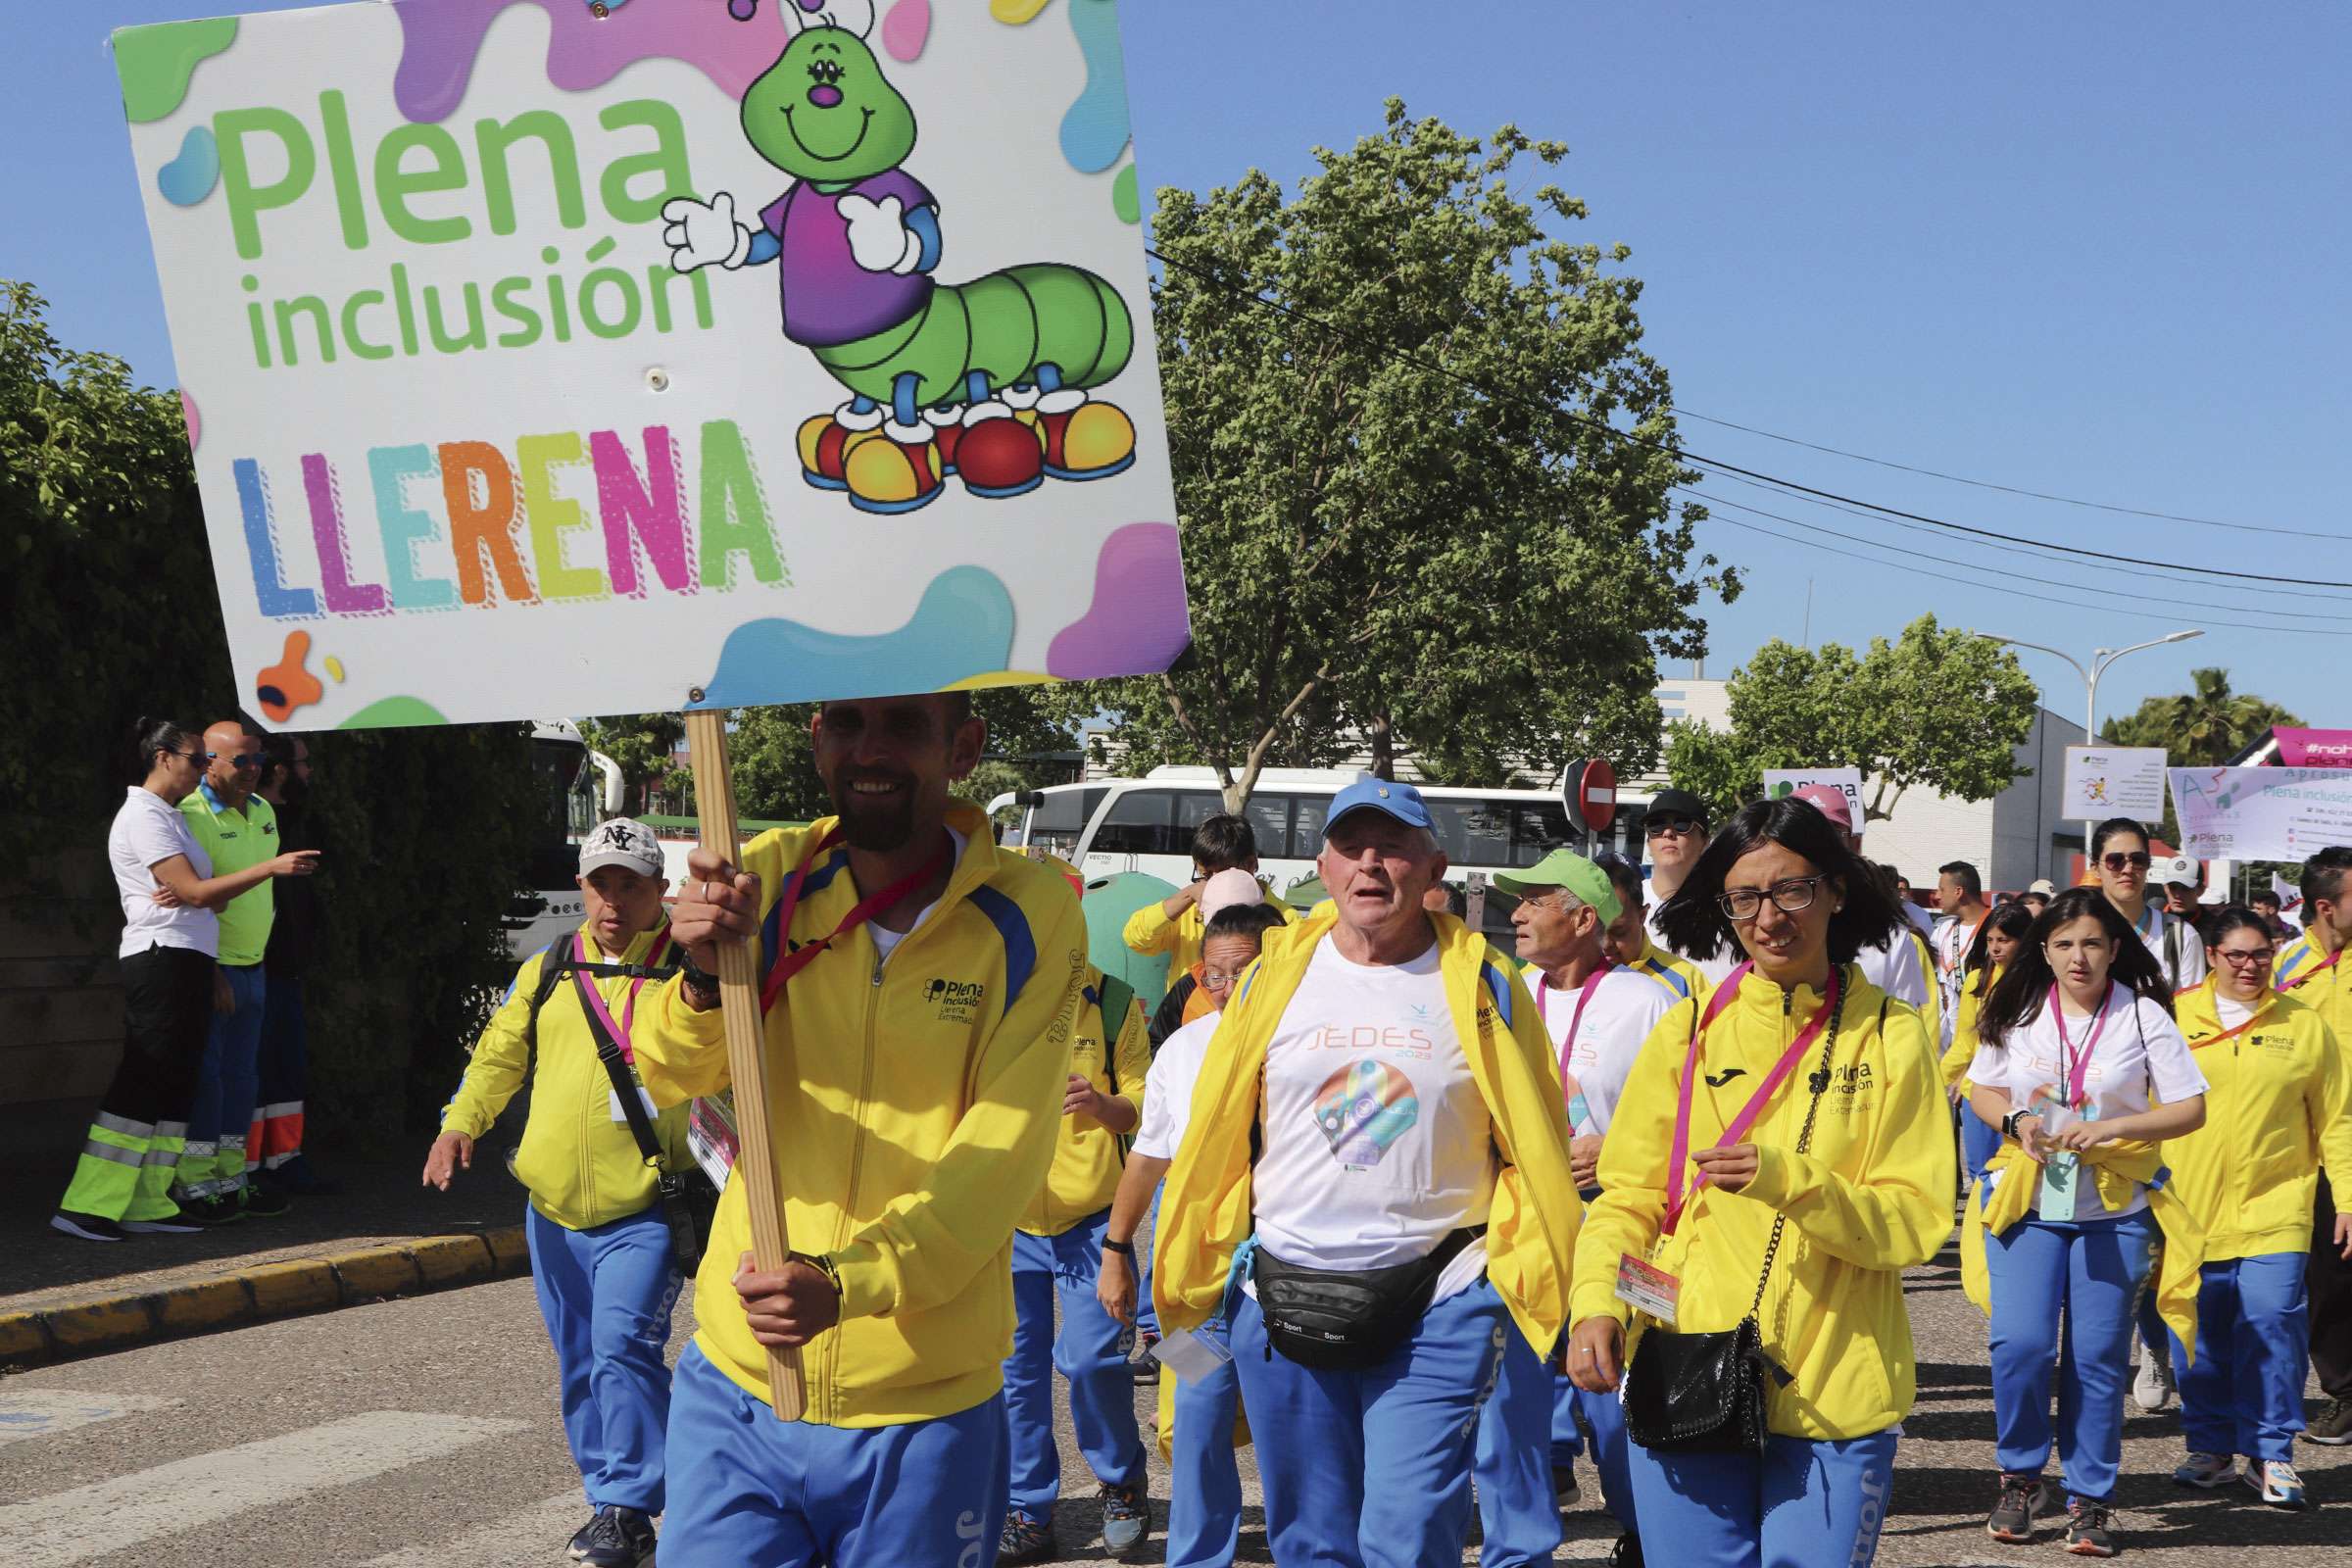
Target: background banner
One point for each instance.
(2262, 814)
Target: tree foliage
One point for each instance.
(1938, 708)
(644, 746)
(1713, 765)
(2202, 727)
(773, 763)
(1389, 525)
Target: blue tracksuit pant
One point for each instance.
(1574, 1413)
(1204, 1480)
(1803, 1504)
(1979, 1140)
(1517, 1505)
(1147, 1315)
(227, 1087)
(2076, 1281)
(2244, 1393)
(1085, 1351)
(1371, 1468)
(752, 1492)
(607, 1294)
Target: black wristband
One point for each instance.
(695, 976)
(1125, 1250)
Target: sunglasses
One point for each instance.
(251, 760)
(2137, 861)
(1657, 827)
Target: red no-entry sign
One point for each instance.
(1590, 794)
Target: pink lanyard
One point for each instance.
(1576, 1019)
(2081, 1068)
(1676, 1197)
(595, 998)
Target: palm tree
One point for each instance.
(2202, 727)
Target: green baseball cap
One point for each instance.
(1565, 868)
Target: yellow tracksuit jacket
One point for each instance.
(1206, 1210)
(582, 1168)
(1149, 931)
(2326, 990)
(1870, 1197)
(914, 1107)
(2276, 1112)
(1088, 1157)
(1676, 973)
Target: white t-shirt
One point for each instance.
(1922, 922)
(1624, 1006)
(1715, 969)
(2138, 1045)
(1951, 944)
(147, 832)
(1377, 1143)
(1168, 1091)
(886, 941)
(1894, 969)
(2187, 966)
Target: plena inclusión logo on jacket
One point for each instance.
(955, 1000)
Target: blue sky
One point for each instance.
(2091, 250)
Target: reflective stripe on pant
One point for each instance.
(2062, 1295)
(1371, 1468)
(1085, 1351)
(1600, 1419)
(748, 1488)
(2244, 1395)
(284, 1073)
(1205, 1475)
(1805, 1503)
(166, 1001)
(226, 1092)
(606, 1295)
(1517, 1505)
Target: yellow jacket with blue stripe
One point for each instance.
(1207, 1212)
(913, 1109)
(1676, 973)
(1088, 1157)
(581, 1166)
(2304, 974)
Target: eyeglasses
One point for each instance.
(248, 760)
(2242, 956)
(1219, 979)
(2137, 860)
(1658, 827)
(1743, 904)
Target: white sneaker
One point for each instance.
(2207, 1470)
(2152, 1388)
(2277, 1483)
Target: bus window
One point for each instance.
(1055, 826)
(1306, 827)
(1270, 819)
(1473, 832)
(1143, 823)
(1538, 828)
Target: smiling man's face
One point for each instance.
(889, 763)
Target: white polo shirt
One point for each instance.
(148, 831)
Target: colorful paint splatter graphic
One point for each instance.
(1138, 601)
(1363, 1108)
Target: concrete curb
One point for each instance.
(260, 1293)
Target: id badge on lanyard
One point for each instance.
(2062, 1169)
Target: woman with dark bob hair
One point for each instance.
(1780, 1153)
(2083, 1069)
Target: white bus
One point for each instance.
(577, 788)
(1107, 826)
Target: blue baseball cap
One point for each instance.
(1399, 801)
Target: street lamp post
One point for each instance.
(2101, 661)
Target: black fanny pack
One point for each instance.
(1339, 1321)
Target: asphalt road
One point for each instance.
(422, 1434)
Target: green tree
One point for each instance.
(1712, 765)
(644, 746)
(1389, 525)
(774, 765)
(1938, 708)
(2202, 727)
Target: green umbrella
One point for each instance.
(1109, 904)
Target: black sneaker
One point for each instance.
(210, 1213)
(1142, 1364)
(619, 1538)
(2022, 1498)
(2333, 1425)
(1024, 1540)
(584, 1536)
(1126, 1519)
(263, 1198)
(2088, 1533)
(86, 1227)
(1626, 1553)
(172, 1224)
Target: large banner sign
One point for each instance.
(1847, 781)
(549, 356)
(2314, 747)
(2103, 781)
(2262, 814)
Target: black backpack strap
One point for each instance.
(624, 1082)
(551, 966)
(1117, 998)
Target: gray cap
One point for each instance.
(622, 843)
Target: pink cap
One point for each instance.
(1830, 801)
(1227, 889)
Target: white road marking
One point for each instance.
(535, 1535)
(110, 1516)
(41, 1412)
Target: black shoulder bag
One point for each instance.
(1704, 1393)
(688, 1199)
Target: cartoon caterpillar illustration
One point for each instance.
(986, 380)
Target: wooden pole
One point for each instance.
(747, 1052)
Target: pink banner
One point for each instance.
(2314, 747)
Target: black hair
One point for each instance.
(2110, 828)
(1972, 885)
(1623, 875)
(2323, 875)
(1224, 842)
(1696, 926)
(2025, 985)
(2220, 922)
(2013, 919)
(1252, 920)
(1458, 900)
(152, 737)
(2264, 896)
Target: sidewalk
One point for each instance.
(382, 1234)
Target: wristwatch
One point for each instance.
(1125, 1250)
(697, 978)
(2010, 1121)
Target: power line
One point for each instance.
(2005, 489)
(1685, 454)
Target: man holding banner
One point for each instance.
(919, 989)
